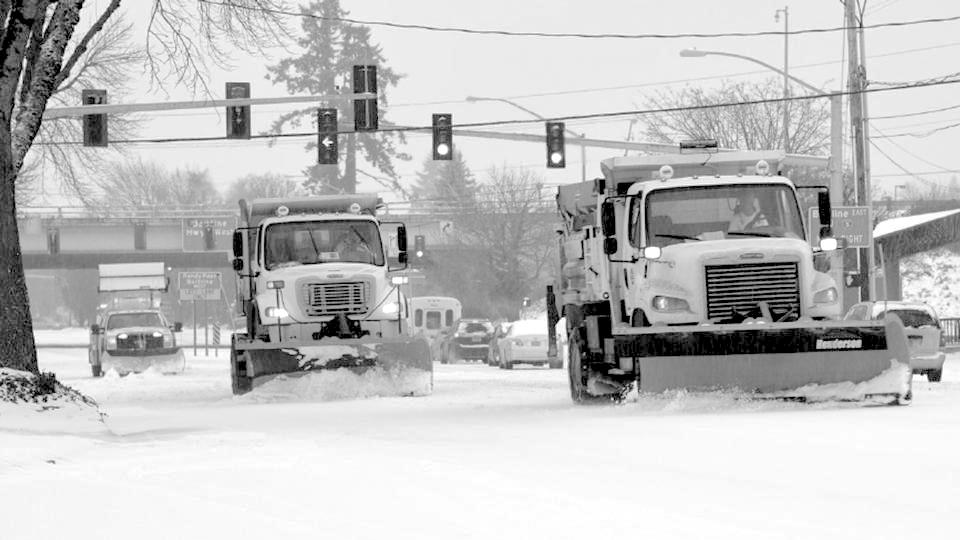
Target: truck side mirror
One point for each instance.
(823, 204)
(610, 245)
(401, 238)
(608, 219)
(238, 264)
(95, 329)
(178, 327)
(237, 244)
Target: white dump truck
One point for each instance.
(317, 284)
(696, 271)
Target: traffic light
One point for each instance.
(419, 247)
(443, 136)
(238, 118)
(328, 150)
(94, 125)
(556, 152)
(209, 238)
(365, 114)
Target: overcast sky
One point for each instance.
(564, 76)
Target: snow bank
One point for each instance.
(41, 404)
(330, 385)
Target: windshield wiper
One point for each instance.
(745, 233)
(678, 236)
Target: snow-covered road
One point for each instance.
(491, 454)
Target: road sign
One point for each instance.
(222, 228)
(850, 223)
(199, 285)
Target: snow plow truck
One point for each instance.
(695, 272)
(315, 280)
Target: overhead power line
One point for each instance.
(944, 80)
(579, 35)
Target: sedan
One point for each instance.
(922, 327)
(526, 343)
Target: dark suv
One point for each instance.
(469, 341)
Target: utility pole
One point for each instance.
(786, 74)
(855, 85)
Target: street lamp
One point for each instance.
(583, 148)
(786, 76)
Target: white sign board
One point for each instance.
(199, 285)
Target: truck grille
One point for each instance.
(139, 342)
(334, 298)
(739, 287)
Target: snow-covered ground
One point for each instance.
(491, 454)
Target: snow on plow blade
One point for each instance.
(813, 360)
(165, 361)
(335, 368)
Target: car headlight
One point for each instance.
(669, 303)
(276, 312)
(391, 307)
(826, 296)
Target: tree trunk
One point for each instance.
(17, 349)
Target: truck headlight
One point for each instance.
(669, 303)
(826, 296)
(112, 342)
(390, 308)
(276, 313)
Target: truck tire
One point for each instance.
(578, 373)
(934, 375)
(239, 383)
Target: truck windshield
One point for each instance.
(312, 242)
(692, 214)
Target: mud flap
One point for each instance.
(402, 365)
(815, 359)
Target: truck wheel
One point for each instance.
(96, 370)
(578, 374)
(934, 375)
(240, 383)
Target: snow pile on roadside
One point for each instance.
(337, 384)
(41, 404)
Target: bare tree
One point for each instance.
(140, 184)
(37, 59)
(505, 240)
(257, 186)
(692, 113)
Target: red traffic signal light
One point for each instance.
(443, 136)
(556, 150)
(238, 118)
(328, 151)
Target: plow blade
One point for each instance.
(335, 368)
(813, 360)
(166, 361)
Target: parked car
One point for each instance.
(922, 326)
(526, 343)
(499, 331)
(469, 341)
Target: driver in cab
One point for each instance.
(352, 248)
(745, 214)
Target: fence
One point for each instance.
(951, 331)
